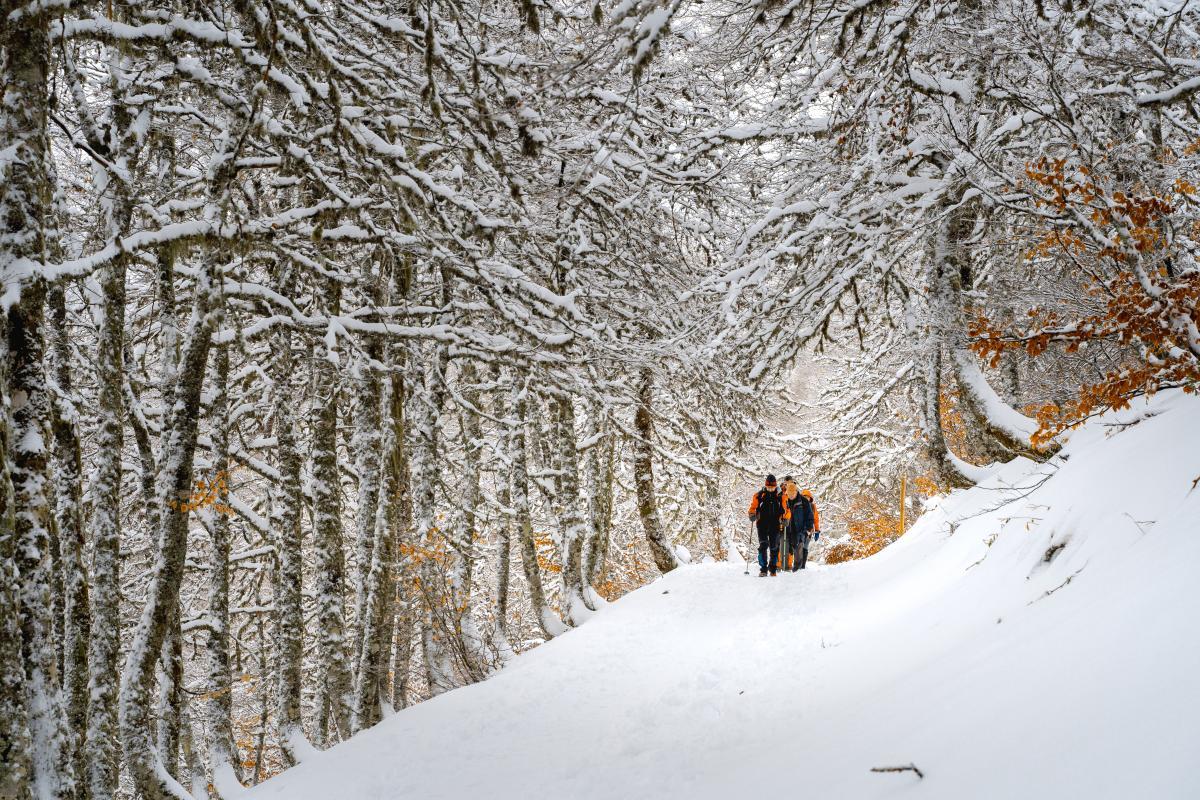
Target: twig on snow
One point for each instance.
(1049, 592)
(909, 768)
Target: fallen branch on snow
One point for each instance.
(909, 768)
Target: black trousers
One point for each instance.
(793, 541)
(768, 545)
(802, 556)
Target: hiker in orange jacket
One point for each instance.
(806, 521)
(770, 514)
(790, 547)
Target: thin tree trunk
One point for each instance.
(223, 763)
(15, 742)
(104, 652)
(402, 640)
(366, 445)
(643, 475)
(170, 694)
(193, 765)
(376, 586)
(466, 536)
(398, 500)
(147, 463)
(601, 476)
(549, 621)
(286, 504)
(264, 713)
(16, 745)
(334, 692)
(398, 518)
(68, 480)
(711, 512)
(577, 604)
(504, 557)
(426, 456)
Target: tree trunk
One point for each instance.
(643, 475)
(366, 444)
(504, 557)
(372, 584)
(948, 469)
(465, 537)
(172, 493)
(68, 490)
(32, 734)
(334, 692)
(30, 472)
(367, 447)
(398, 494)
(15, 746)
(222, 752)
(377, 589)
(576, 603)
(398, 517)
(104, 653)
(286, 504)
(549, 621)
(404, 629)
(601, 477)
(170, 694)
(711, 509)
(438, 670)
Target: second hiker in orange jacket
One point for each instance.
(789, 551)
(806, 520)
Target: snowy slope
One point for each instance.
(960, 649)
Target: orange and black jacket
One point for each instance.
(754, 502)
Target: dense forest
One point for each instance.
(351, 347)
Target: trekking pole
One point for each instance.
(749, 542)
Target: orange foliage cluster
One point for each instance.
(927, 486)
(873, 522)
(954, 425)
(207, 494)
(1146, 307)
(547, 554)
(626, 569)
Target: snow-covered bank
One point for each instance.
(1034, 637)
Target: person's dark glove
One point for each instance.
(816, 536)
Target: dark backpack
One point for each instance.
(802, 512)
(770, 506)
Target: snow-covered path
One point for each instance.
(962, 649)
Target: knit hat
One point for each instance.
(770, 480)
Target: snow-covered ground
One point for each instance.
(1034, 637)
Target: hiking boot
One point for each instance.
(774, 574)
(762, 573)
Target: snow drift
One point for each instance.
(1033, 637)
